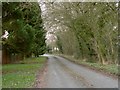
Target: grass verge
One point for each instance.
(22, 74)
(111, 69)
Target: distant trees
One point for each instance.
(24, 24)
(94, 27)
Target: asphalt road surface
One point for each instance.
(62, 73)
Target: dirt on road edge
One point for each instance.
(92, 68)
(40, 77)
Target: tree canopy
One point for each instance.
(86, 30)
(23, 22)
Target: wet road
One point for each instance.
(62, 73)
